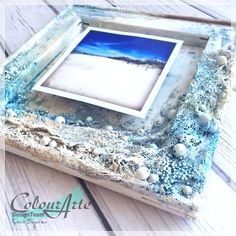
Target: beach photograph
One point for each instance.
(107, 67)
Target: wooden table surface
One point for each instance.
(110, 210)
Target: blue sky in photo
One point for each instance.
(116, 45)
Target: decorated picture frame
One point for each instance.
(163, 159)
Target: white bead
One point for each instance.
(187, 190)
(53, 144)
(204, 118)
(109, 127)
(153, 178)
(45, 141)
(142, 173)
(60, 119)
(153, 145)
(171, 114)
(180, 150)
(221, 60)
(89, 118)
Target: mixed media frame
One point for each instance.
(162, 160)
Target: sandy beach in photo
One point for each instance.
(112, 69)
(109, 80)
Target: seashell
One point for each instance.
(221, 60)
(10, 113)
(60, 119)
(187, 190)
(12, 121)
(204, 117)
(53, 144)
(45, 141)
(124, 138)
(180, 150)
(153, 178)
(114, 167)
(89, 118)
(142, 173)
(96, 151)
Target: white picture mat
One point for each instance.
(109, 105)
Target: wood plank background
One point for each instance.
(110, 210)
